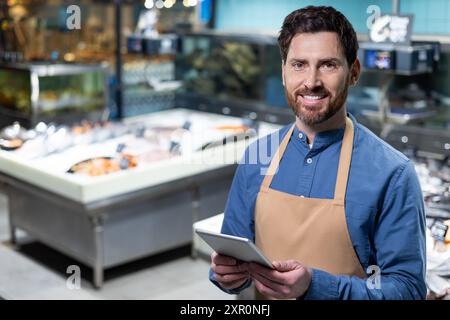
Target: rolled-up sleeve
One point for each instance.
(399, 246)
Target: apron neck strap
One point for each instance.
(344, 162)
(275, 162)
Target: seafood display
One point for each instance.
(103, 165)
(101, 148)
(434, 176)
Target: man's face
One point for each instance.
(316, 76)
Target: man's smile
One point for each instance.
(312, 100)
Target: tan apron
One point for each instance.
(312, 231)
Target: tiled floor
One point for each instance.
(37, 272)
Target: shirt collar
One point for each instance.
(322, 140)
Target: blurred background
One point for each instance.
(121, 123)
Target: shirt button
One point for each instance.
(300, 135)
(309, 161)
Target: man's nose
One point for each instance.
(312, 80)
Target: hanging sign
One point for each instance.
(392, 29)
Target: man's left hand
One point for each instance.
(290, 279)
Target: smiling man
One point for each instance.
(339, 212)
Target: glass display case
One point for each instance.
(62, 93)
(229, 69)
(226, 69)
(148, 84)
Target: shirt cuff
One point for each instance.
(324, 286)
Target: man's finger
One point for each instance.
(224, 260)
(285, 266)
(233, 285)
(276, 287)
(267, 273)
(222, 269)
(230, 277)
(263, 289)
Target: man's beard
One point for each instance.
(315, 118)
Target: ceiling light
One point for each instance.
(149, 4)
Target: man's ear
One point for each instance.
(355, 72)
(282, 72)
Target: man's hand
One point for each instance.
(288, 280)
(229, 272)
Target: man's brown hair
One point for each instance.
(314, 19)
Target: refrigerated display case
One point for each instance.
(61, 93)
(184, 161)
(232, 74)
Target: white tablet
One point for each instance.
(240, 248)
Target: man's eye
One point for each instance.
(298, 65)
(329, 66)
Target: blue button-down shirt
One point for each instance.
(383, 206)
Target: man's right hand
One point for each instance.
(229, 272)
